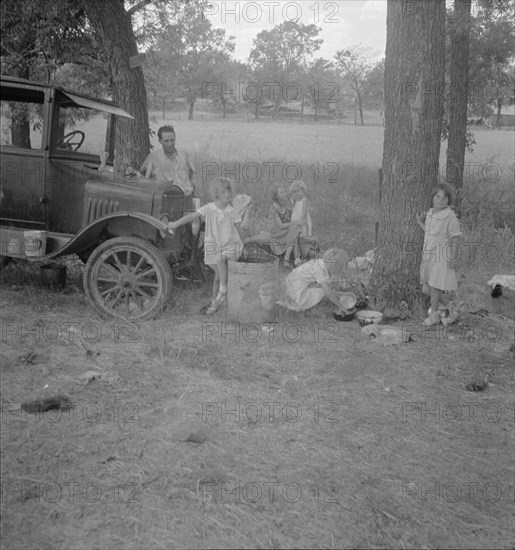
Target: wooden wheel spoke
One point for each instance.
(139, 264)
(147, 273)
(111, 269)
(137, 299)
(112, 303)
(127, 301)
(141, 292)
(109, 290)
(108, 280)
(147, 284)
(117, 261)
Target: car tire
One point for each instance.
(128, 278)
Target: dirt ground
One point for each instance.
(196, 432)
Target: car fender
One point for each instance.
(117, 224)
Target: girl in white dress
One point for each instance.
(437, 269)
(308, 284)
(222, 239)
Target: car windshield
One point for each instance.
(80, 129)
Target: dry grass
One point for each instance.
(347, 438)
(361, 444)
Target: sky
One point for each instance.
(343, 23)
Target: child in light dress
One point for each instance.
(300, 292)
(437, 269)
(279, 217)
(223, 238)
(300, 222)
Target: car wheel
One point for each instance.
(129, 278)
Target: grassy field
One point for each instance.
(340, 165)
(200, 432)
(354, 145)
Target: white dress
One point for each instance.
(434, 269)
(221, 237)
(299, 293)
(296, 217)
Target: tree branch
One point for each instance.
(138, 6)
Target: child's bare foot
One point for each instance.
(433, 319)
(287, 263)
(218, 302)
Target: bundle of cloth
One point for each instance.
(498, 282)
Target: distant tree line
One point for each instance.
(75, 43)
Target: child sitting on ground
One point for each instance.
(299, 292)
(222, 239)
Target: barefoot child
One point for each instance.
(279, 217)
(301, 222)
(437, 270)
(222, 236)
(299, 292)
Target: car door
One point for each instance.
(24, 154)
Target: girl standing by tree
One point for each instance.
(437, 270)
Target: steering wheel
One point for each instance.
(67, 144)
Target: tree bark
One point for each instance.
(113, 26)
(498, 118)
(19, 113)
(191, 104)
(360, 109)
(20, 125)
(414, 93)
(459, 69)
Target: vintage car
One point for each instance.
(61, 196)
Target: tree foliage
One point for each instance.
(40, 37)
(192, 53)
(492, 47)
(281, 54)
(356, 64)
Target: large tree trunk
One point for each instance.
(360, 109)
(460, 48)
(113, 26)
(20, 125)
(498, 116)
(414, 92)
(20, 113)
(191, 104)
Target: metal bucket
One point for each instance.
(251, 291)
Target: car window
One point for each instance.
(80, 129)
(22, 123)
